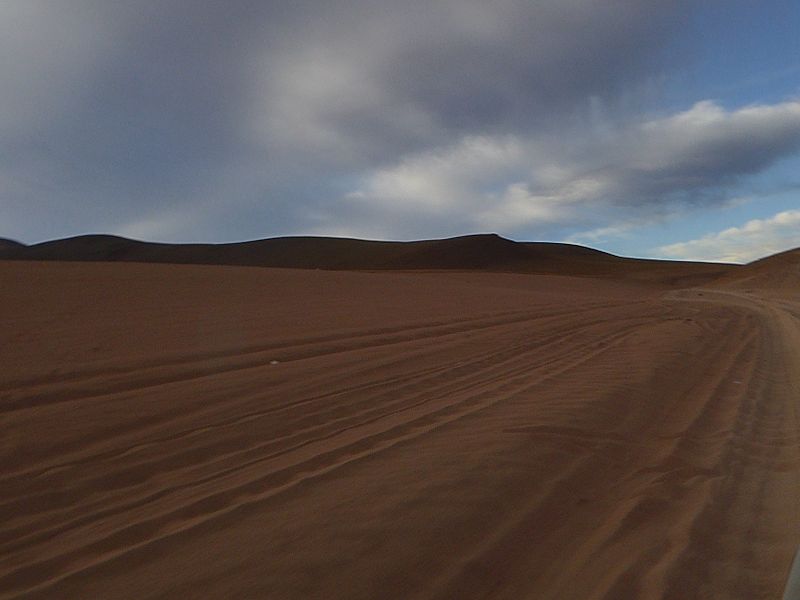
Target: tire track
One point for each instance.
(459, 385)
(208, 507)
(162, 417)
(31, 394)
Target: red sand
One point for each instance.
(421, 435)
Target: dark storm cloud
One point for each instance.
(685, 155)
(371, 80)
(125, 109)
(227, 120)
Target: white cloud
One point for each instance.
(689, 157)
(755, 239)
(707, 144)
(609, 181)
(445, 180)
(600, 234)
(477, 184)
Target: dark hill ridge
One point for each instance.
(487, 252)
(9, 247)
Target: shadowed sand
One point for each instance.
(180, 431)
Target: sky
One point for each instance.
(663, 129)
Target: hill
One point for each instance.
(485, 252)
(779, 272)
(10, 248)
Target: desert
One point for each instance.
(441, 429)
(399, 300)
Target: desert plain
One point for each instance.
(196, 431)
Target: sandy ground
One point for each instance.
(222, 432)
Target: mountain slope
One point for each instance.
(779, 272)
(10, 248)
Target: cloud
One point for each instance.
(362, 82)
(478, 184)
(686, 158)
(120, 113)
(755, 239)
(50, 50)
(376, 118)
(109, 111)
(708, 146)
(610, 180)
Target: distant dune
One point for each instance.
(485, 252)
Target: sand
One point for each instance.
(230, 432)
